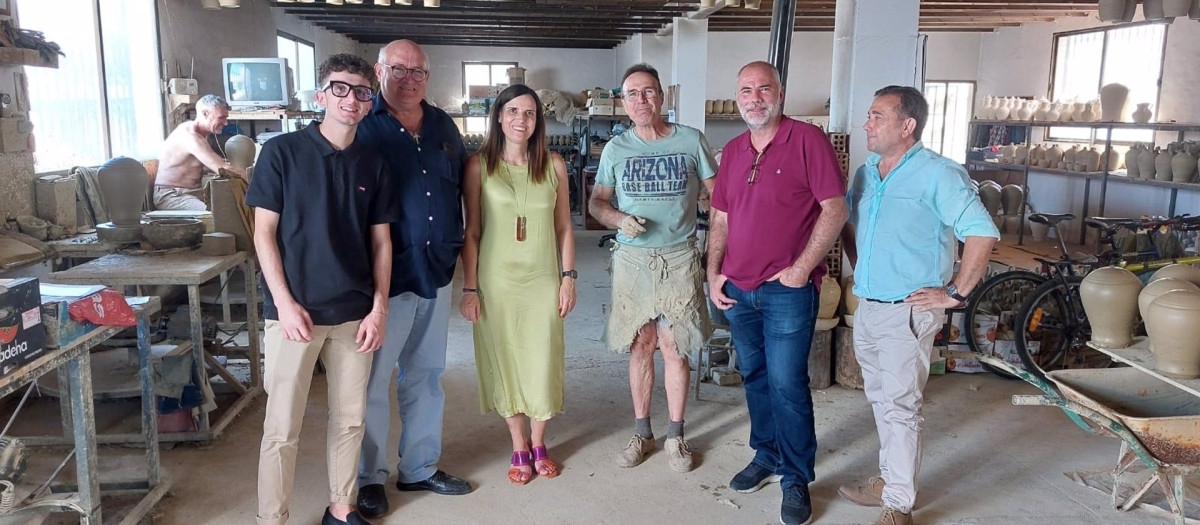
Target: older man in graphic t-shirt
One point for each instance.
(655, 170)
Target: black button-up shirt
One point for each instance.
(327, 201)
(427, 183)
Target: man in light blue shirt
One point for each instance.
(908, 205)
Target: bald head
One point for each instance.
(405, 48)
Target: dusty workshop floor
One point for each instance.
(985, 461)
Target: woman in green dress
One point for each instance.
(515, 290)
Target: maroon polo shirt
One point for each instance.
(771, 220)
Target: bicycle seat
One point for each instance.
(1110, 223)
(1050, 219)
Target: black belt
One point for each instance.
(883, 302)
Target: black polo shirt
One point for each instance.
(327, 201)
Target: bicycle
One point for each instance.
(1002, 296)
(1051, 327)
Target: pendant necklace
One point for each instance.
(521, 212)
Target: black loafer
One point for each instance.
(351, 519)
(372, 501)
(441, 483)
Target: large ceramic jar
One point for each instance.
(1109, 298)
(1183, 166)
(1158, 287)
(1142, 114)
(989, 195)
(1110, 161)
(1091, 160)
(1022, 154)
(1070, 157)
(1011, 197)
(1146, 163)
(1175, 334)
(124, 183)
(1112, 102)
(1054, 155)
(1131, 167)
(1162, 164)
(1185, 272)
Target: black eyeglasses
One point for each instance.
(341, 89)
(401, 72)
(754, 168)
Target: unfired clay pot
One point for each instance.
(1110, 161)
(1109, 297)
(989, 195)
(1054, 155)
(831, 295)
(1158, 287)
(1112, 101)
(1142, 114)
(124, 183)
(1146, 163)
(1162, 164)
(1184, 272)
(1175, 334)
(240, 151)
(1011, 197)
(1131, 166)
(849, 300)
(1183, 166)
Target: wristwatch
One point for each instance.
(571, 273)
(952, 291)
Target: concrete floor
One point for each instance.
(985, 461)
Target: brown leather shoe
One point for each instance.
(867, 494)
(894, 517)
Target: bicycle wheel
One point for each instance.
(996, 303)
(1053, 331)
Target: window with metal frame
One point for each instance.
(1084, 61)
(302, 57)
(950, 109)
(482, 74)
(104, 100)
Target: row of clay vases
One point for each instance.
(720, 107)
(1171, 308)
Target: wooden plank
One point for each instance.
(120, 269)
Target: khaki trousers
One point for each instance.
(289, 370)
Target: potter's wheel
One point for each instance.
(110, 232)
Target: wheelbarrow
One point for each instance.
(1157, 423)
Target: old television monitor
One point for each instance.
(256, 82)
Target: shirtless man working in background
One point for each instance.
(187, 153)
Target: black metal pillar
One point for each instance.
(783, 22)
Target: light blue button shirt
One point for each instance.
(906, 224)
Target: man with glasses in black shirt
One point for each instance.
(425, 155)
(323, 207)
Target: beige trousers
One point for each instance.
(289, 370)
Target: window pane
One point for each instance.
(135, 116)
(500, 73)
(476, 75)
(935, 95)
(959, 97)
(306, 67)
(287, 50)
(66, 103)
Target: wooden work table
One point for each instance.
(189, 269)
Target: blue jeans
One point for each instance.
(772, 329)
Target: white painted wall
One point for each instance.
(188, 32)
(952, 56)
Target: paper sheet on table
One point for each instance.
(68, 291)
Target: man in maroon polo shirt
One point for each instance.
(778, 206)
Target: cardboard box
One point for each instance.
(54, 199)
(22, 334)
(61, 330)
(183, 86)
(478, 91)
(965, 366)
(601, 110)
(594, 102)
(620, 111)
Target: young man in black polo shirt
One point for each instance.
(323, 204)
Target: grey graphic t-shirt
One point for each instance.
(658, 181)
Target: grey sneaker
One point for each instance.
(679, 458)
(894, 517)
(633, 453)
(868, 494)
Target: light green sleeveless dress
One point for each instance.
(519, 348)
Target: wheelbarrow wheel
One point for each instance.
(1000, 297)
(1052, 329)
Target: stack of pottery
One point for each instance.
(990, 196)
(1109, 297)
(831, 295)
(1011, 199)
